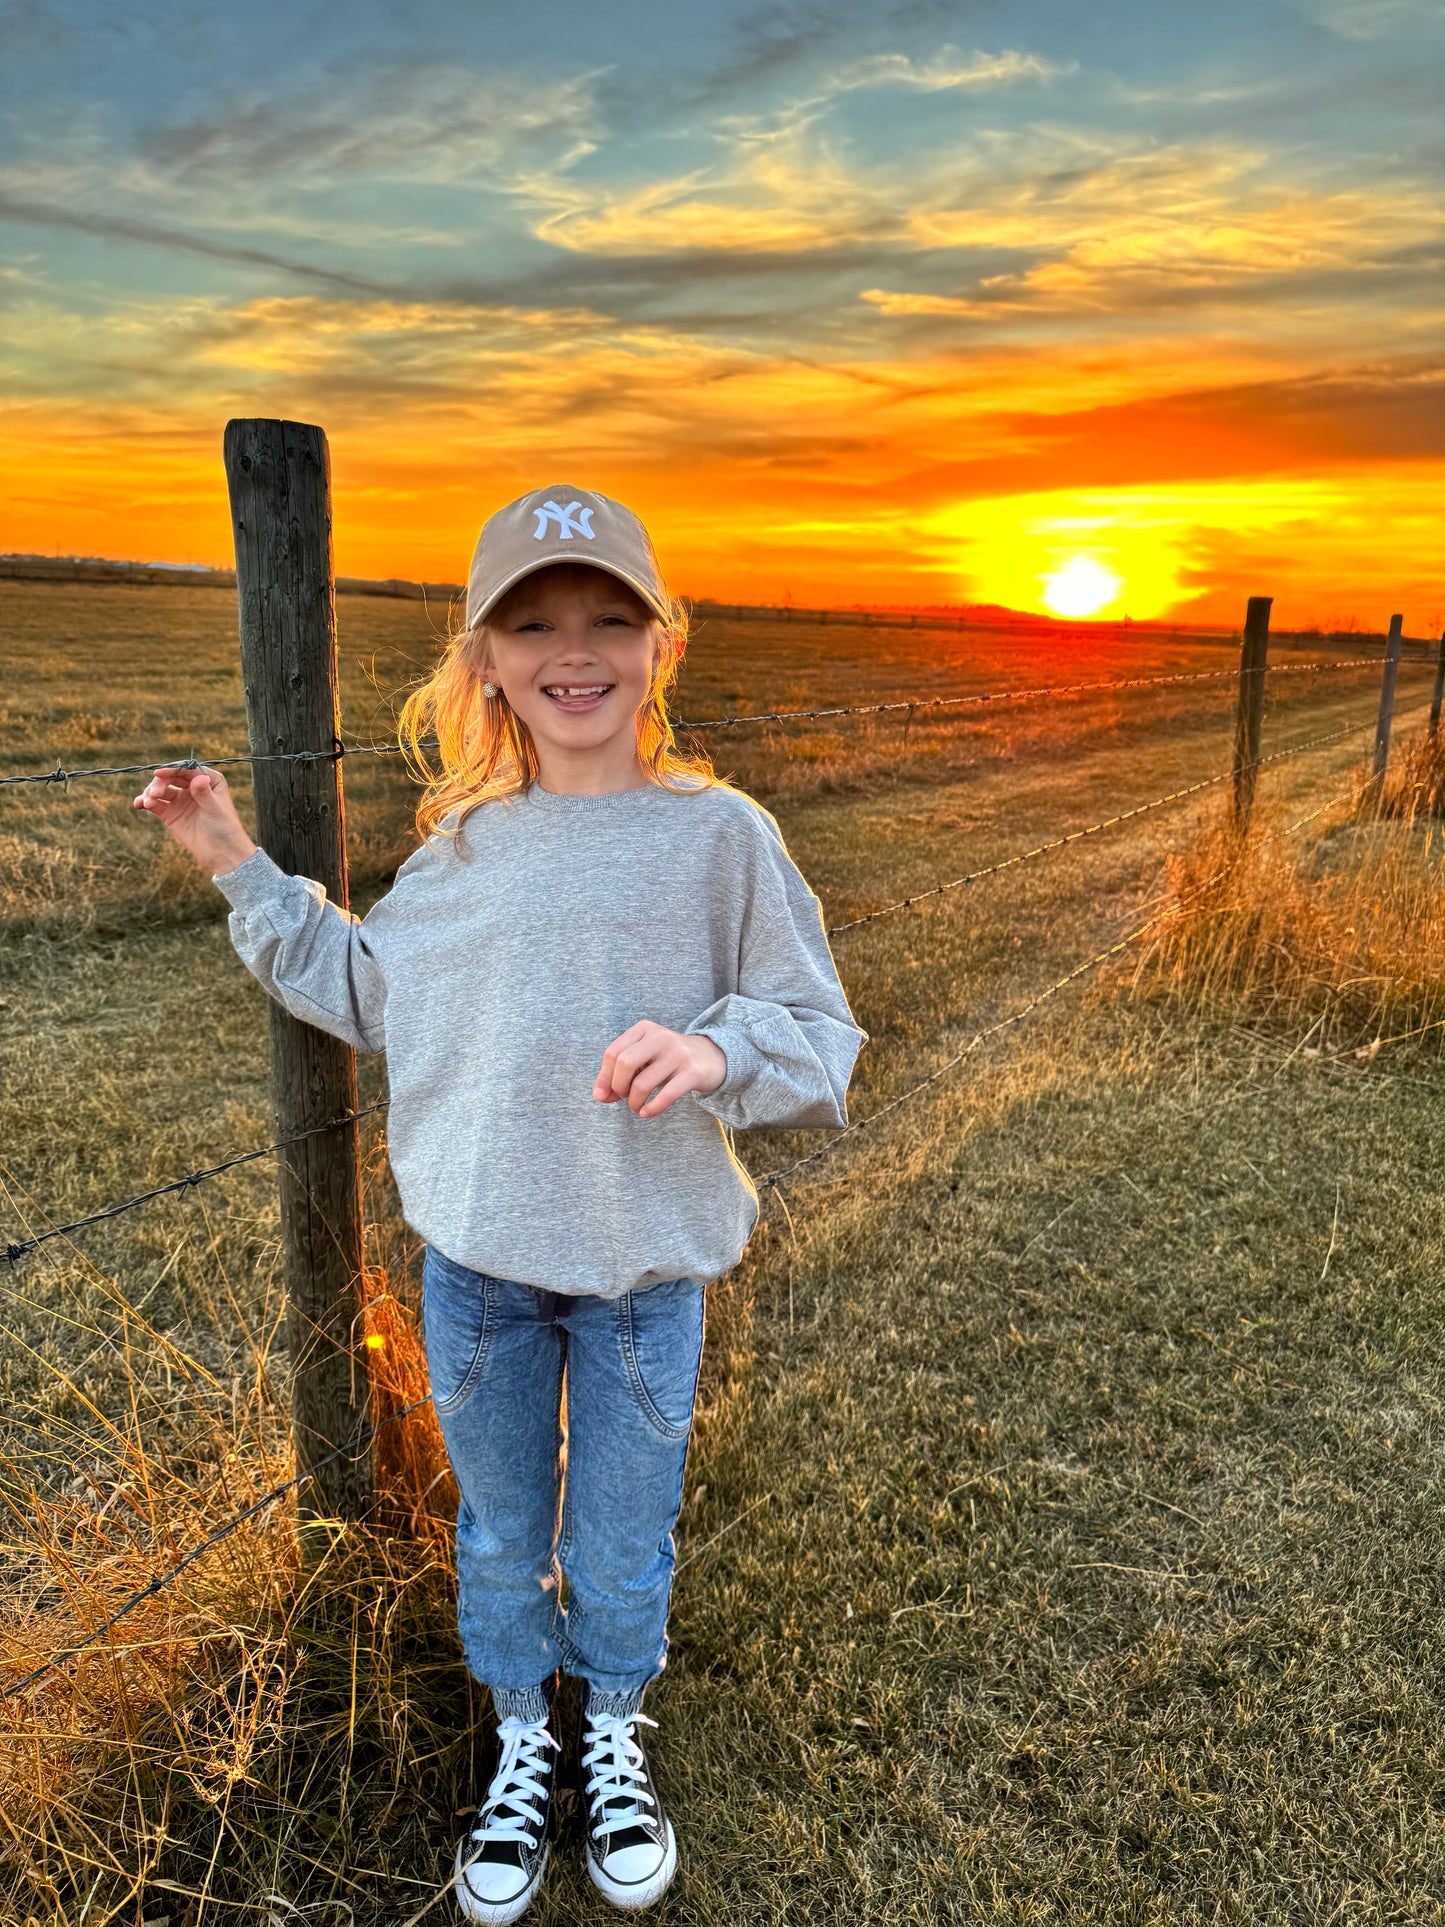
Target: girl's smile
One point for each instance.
(577, 700)
(571, 648)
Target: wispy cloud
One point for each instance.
(294, 167)
(769, 42)
(784, 184)
(767, 203)
(1373, 19)
(432, 122)
(1153, 228)
(947, 71)
(121, 227)
(27, 28)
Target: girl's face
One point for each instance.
(571, 648)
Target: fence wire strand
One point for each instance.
(18, 1249)
(1003, 696)
(338, 750)
(1100, 957)
(1093, 829)
(162, 1580)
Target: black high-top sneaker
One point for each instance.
(631, 1849)
(502, 1860)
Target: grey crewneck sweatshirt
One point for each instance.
(495, 981)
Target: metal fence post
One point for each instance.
(1249, 708)
(1387, 703)
(279, 476)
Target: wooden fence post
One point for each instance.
(279, 476)
(1387, 703)
(1249, 708)
(1439, 691)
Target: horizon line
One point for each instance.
(36, 566)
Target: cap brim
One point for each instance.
(586, 562)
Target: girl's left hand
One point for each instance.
(665, 1062)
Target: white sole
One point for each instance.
(640, 1893)
(497, 1913)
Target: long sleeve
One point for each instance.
(306, 952)
(787, 1031)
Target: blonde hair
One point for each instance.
(486, 751)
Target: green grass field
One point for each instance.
(1061, 1539)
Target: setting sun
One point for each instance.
(1081, 587)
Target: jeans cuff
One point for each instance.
(530, 1703)
(612, 1706)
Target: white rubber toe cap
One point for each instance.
(636, 1876)
(493, 1893)
(632, 1865)
(493, 1883)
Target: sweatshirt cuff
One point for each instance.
(744, 1060)
(253, 882)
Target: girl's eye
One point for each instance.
(538, 626)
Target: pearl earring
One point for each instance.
(490, 689)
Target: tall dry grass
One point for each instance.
(1336, 939)
(153, 1773)
(1415, 788)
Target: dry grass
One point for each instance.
(1336, 942)
(1415, 785)
(1061, 1533)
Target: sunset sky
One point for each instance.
(1127, 308)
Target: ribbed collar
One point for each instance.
(610, 800)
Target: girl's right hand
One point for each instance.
(195, 806)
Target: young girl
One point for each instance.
(599, 962)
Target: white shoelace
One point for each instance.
(515, 1784)
(620, 1774)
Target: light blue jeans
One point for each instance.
(499, 1354)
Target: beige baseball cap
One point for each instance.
(562, 524)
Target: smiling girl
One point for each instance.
(600, 961)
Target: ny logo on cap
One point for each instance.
(571, 520)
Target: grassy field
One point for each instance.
(1061, 1539)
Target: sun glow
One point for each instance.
(1137, 552)
(1081, 588)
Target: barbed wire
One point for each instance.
(1093, 829)
(1033, 694)
(19, 1248)
(66, 777)
(1100, 957)
(15, 1251)
(161, 1580)
(771, 1180)
(339, 749)
(774, 1178)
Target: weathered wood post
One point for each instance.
(1387, 704)
(1435, 700)
(1249, 707)
(279, 476)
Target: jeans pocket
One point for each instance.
(661, 1332)
(459, 1316)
